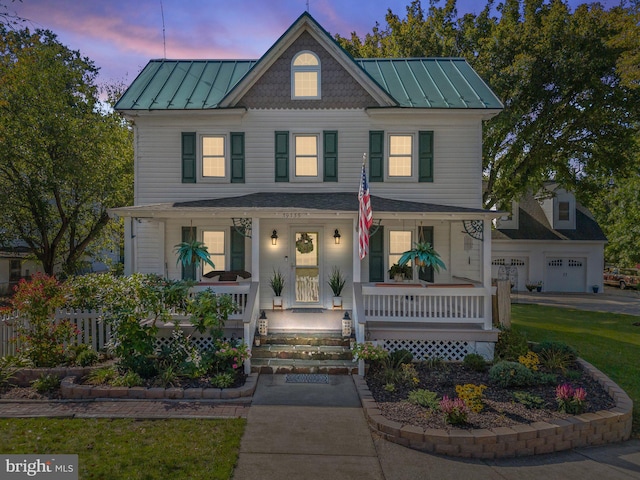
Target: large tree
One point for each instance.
(65, 157)
(566, 80)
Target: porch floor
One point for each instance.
(295, 320)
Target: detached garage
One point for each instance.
(549, 238)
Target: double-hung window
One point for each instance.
(214, 241)
(399, 242)
(306, 159)
(400, 156)
(214, 156)
(305, 76)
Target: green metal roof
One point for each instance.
(183, 84)
(411, 82)
(431, 82)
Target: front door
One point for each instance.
(307, 267)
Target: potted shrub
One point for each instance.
(277, 285)
(193, 252)
(539, 287)
(400, 272)
(424, 255)
(531, 286)
(336, 282)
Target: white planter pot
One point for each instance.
(277, 302)
(337, 302)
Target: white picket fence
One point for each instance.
(93, 331)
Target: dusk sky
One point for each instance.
(121, 36)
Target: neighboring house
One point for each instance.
(252, 156)
(15, 263)
(550, 238)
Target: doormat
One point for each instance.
(306, 378)
(307, 310)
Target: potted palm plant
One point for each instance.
(336, 283)
(193, 252)
(277, 285)
(424, 256)
(400, 272)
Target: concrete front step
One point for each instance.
(302, 352)
(311, 339)
(283, 366)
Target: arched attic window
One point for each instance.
(305, 76)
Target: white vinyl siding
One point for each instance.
(457, 170)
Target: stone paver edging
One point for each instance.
(589, 429)
(71, 390)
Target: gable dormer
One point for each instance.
(560, 210)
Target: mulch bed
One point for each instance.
(500, 407)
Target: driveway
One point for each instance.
(612, 300)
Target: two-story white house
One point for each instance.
(251, 156)
(549, 239)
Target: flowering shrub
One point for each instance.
(455, 411)
(530, 360)
(570, 400)
(42, 340)
(471, 395)
(369, 352)
(230, 357)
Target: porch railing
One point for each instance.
(469, 305)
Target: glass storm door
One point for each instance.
(307, 268)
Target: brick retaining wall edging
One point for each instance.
(589, 429)
(70, 390)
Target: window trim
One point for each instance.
(414, 158)
(306, 178)
(227, 158)
(306, 68)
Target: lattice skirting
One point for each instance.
(450, 350)
(202, 343)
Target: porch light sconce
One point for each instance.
(336, 237)
(274, 238)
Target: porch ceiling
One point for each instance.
(267, 204)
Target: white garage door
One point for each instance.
(512, 268)
(565, 274)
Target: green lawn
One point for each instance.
(608, 341)
(130, 449)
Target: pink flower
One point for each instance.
(564, 391)
(580, 394)
(235, 365)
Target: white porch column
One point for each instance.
(128, 246)
(486, 268)
(255, 249)
(162, 260)
(357, 270)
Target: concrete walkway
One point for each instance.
(313, 431)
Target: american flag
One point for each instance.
(365, 215)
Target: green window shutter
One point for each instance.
(188, 157)
(376, 156)
(189, 271)
(376, 256)
(282, 156)
(237, 250)
(330, 147)
(425, 157)
(425, 234)
(237, 157)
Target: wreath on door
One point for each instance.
(304, 244)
